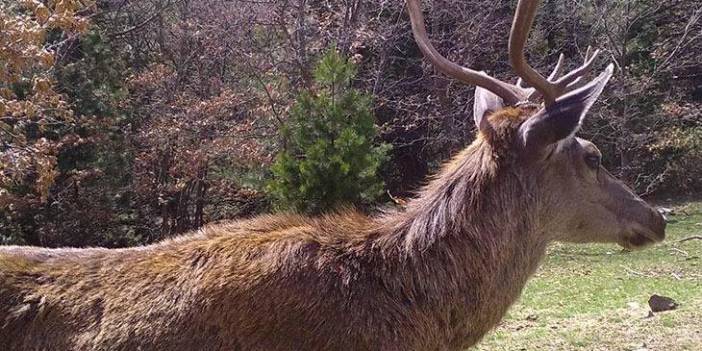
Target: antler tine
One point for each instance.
(558, 70)
(570, 81)
(550, 88)
(508, 92)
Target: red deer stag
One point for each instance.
(436, 275)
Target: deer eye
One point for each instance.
(593, 161)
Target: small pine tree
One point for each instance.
(330, 158)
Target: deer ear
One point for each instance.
(562, 119)
(484, 104)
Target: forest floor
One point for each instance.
(595, 297)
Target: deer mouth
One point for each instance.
(639, 239)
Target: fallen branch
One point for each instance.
(680, 251)
(694, 237)
(631, 271)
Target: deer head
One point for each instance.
(578, 200)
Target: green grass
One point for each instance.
(595, 297)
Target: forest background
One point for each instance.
(123, 122)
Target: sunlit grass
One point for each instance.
(595, 297)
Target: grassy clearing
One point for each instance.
(595, 297)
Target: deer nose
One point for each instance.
(658, 223)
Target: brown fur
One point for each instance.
(435, 276)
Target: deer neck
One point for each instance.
(469, 243)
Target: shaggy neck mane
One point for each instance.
(469, 242)
(474, 197)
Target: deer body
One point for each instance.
(400, 281)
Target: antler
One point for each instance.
(511, 94)
(550, 88)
